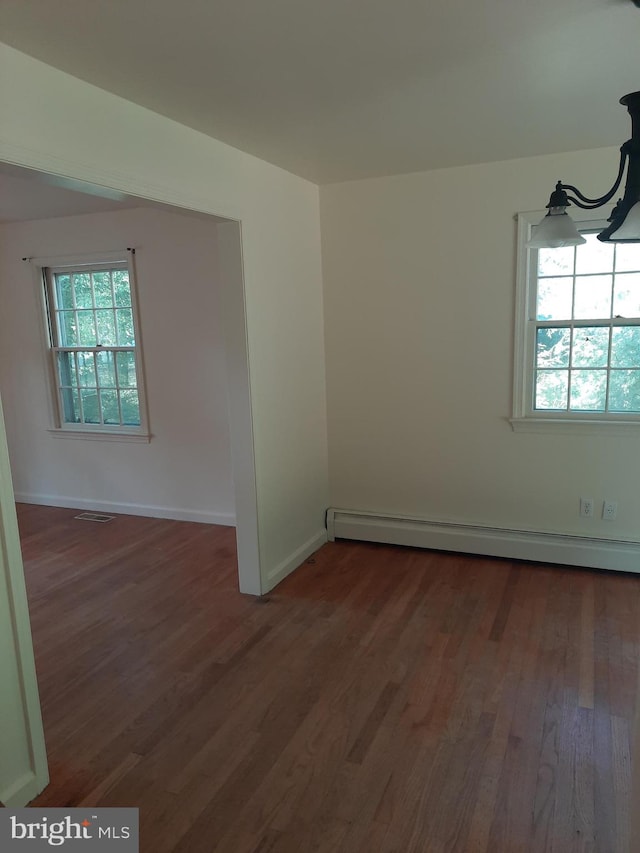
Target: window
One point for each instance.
(93, 337)
(578, 332)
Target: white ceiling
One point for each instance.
(342, 89)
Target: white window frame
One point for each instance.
(60, 428)
(525, 418)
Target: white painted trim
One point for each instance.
(98, 435)
(538, 546)
(25, 788)
(175, 513)
(520, 384)
(243, 463)
(567, 426)
(44, 268)
(82, 259)
(525, 418)
(22, 792)
(291, 563)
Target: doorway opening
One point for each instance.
(197, 465)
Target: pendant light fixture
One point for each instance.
(558, 229)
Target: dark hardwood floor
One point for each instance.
(383, 699)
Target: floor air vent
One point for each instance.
(94, 516)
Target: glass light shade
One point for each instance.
(629, 230)
(557, 229)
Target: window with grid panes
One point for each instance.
(582, 335)
(93, 337)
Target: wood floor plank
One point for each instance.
(382, 700)
(586, 646)
(634, 833)
(621, 779)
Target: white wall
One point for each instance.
(419, 299)
(185, 471)
(56, 123)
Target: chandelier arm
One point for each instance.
(587, 203)
(583, 206)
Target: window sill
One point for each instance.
(570, 426)
(98, 435)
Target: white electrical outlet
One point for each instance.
(609, 510)
(586, 507)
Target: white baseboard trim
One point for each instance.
(174, 513)
(571, 550)
(280, 572)
(23, 791)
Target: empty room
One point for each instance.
(329, 318)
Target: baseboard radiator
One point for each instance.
(571, 550)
